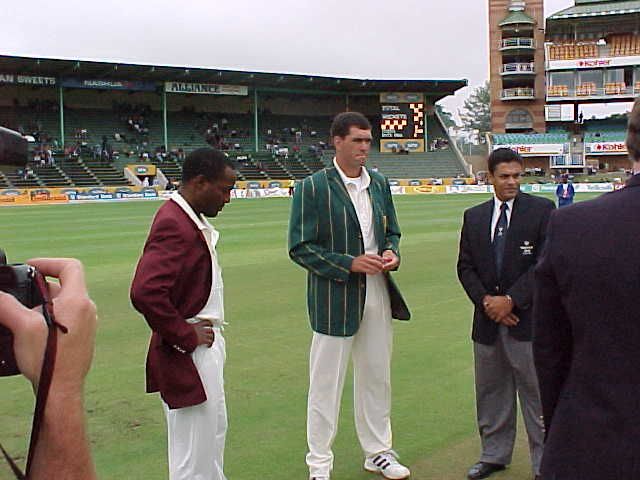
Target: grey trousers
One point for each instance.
(503, 370)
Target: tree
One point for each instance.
(476, 112)
(446, 116)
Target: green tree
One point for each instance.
(476, 111)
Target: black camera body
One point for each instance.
(19, 280)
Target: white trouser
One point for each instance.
(370, 349)
(196, 434)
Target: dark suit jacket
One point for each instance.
(587, 339)
(324, 238)
(476, 265)
(562, 201)
(172, 282)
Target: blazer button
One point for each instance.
(359, 235)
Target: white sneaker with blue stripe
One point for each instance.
(386, 464)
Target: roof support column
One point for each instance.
(61, 110)
(255, 119)
(165, 132)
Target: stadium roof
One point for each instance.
(311, 84)
(597, 9)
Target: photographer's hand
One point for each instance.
(29, 335)
(63, 447)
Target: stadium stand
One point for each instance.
(523, 139)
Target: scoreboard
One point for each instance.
(402, 122)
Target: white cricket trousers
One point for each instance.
(196, 434)
(370, 348)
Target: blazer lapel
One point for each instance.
(337, 187)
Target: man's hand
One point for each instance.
(29, 335)
(62, 450)
(497, 307)
(367, 263)
(510, 320)
(390, 260)
(73, 309)
(204, 331)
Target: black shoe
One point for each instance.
(483, 470)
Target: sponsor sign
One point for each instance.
(205, 88)
(606, 148)
(104, 84)
(583, 63)
(142, 170)
(469, 188)
(534, 149)
(27, 80)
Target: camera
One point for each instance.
(19, 280)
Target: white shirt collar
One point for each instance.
(200, 221)
(497, 202)
(365, 179)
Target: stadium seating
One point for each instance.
(78, 173)
(624, 45)
(529, 138)
(570, 51)
(52, 176)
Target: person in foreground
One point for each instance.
(587, 333)
(344, 232)
(178, 288)
(500, 243)
(62, 450)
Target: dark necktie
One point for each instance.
(499, 237)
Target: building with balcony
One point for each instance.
(516, 66)
(591, 55)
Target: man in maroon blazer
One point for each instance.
(586, 341)
(178, 288)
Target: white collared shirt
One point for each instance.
(358, 192)
(214, 308)
(496, 213)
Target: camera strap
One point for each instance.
(46, 375)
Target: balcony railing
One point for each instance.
(518, 43)
(591, 90)
(522, 93)
(518, 68)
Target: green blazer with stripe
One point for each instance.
(324, 238)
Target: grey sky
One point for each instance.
(364, 39)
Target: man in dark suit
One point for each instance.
(178, 288)
(565, 192)
(587, 334)
(500, 242)
(344, 232)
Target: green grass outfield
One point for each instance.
(267, 344)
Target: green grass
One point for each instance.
(267, 342)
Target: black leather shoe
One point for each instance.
(483, 470)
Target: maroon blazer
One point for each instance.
(173, 282)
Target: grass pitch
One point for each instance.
(267, 341)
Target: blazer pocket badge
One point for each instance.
(526, 248)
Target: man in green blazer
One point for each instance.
(344, 232)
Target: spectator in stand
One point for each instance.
(298, 136)
(224, 122)
(565, 192)
(375, 168)
(145, 182)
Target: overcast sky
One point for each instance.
(408, 39)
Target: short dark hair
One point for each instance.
(633, 132)
(503, 155)
(343, 122)
(207, 162)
